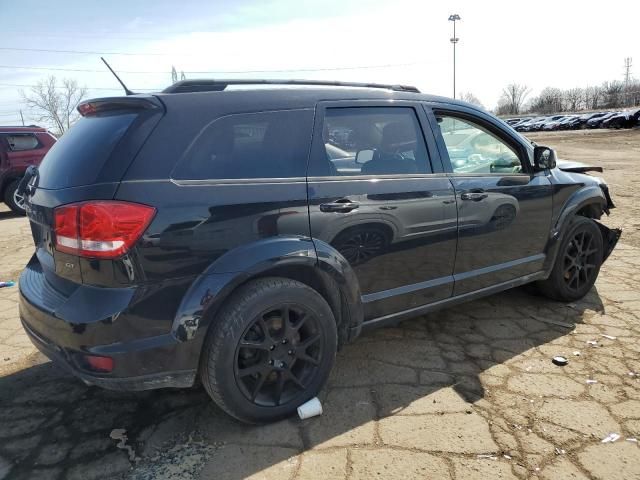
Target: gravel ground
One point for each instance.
(466, 393)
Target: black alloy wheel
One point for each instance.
(577, 262)
(278, 355)
(581, 259)
(269, 349)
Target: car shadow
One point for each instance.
(9, 214)
(437, 363)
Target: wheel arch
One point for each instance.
(295, 258)
(589, 202)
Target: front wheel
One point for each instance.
(577, 264)
(13, 199)
(269, 350)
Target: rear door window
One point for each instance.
(82, 152)
(252, 145)
(22, 141)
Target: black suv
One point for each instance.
(241, 235)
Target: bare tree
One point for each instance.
(573, 98)
(632, 93)
(471, 98)
(55, 104)
(592, 97)
(550, 100)
(513, 96)
(613, 94)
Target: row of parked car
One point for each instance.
(623, 119)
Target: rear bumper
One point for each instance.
(63, 358)
(119, 323)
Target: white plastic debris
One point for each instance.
(593, 343)
(484, 455)
(560, 451)
(576, 353)
(508, 457)
(612, 437)
(591, 382)
(631, 439)
(310, 409)
(560, 361)
(121, 435)
(610, 337)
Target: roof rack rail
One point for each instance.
(208, 85)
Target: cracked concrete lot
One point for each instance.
(467, 393)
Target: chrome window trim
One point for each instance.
(238, 181)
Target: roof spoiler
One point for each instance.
(138, 102)
(208, 85)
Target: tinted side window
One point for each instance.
(371, 141)
(19, 142)
(251, 145)
(472, 149)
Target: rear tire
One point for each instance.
(577, 263)
(270, 349)
(14, 201)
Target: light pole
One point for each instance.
(454, 40)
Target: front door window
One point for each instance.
(472, 149)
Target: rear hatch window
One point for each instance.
(80, 156)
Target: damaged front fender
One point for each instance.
(610, 237)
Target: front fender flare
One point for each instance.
(587, 195)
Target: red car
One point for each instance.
(20, 147)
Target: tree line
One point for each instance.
(55, 102)
(609, 95)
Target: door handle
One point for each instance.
(340, 206)
(474, 195)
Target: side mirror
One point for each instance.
(544, 158)
(364, 156)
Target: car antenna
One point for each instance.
(126, 90)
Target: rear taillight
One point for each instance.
(100, 229)
(99, 364)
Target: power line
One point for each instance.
(83, 35)
(88, 88)
(91, 52)
(219, 72)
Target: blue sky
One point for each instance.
(563, 44)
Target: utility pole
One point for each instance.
(453, 18)
(627, 77)
(21, 118)
(627, 70)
